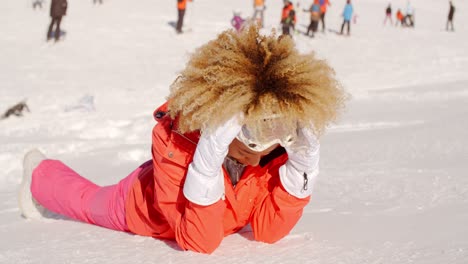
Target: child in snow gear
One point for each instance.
(237, 21)
(236, 144)
(347, 16)
(450, 16)
(288, 18)
(58, 9)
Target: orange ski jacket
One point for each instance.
(323, 6)
(399, 15)
(286, 13)
(181, 4)
(157, 207)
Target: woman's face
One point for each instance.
(246, 156)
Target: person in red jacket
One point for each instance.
(181, 6)
(400, 18)
(288, 18)
(323, 10)
(235, 144)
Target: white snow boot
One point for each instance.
(29, 207)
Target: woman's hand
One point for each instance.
(204, 184)
(299, 172)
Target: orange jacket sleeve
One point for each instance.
(277, 212)
(197, 228)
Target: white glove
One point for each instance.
(299, 173)
(204, 184)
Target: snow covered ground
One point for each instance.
(393, 186)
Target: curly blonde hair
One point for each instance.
(259, 76)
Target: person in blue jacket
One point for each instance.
(347, 15)
(315, 13)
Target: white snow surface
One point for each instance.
(393, 186)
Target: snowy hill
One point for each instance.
(393, 186)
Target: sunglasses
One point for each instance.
(262, 142)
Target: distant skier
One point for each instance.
(450, 16)
(323, 10)
(347, 16)
(314, 11)
(97, 1)
(181, 6)
(237, 21)
(259, 10)
(288, 18)
(388, 15)
(58, 9)
(400, 18)
(409, 18)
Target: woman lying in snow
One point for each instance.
(235, 144)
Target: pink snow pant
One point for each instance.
(61, 190)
